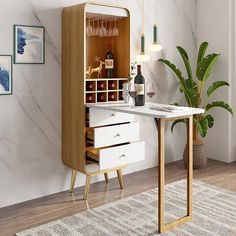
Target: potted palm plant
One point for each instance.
(193, 88)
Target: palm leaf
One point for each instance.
(192, 96)
(205, 67)
(175, 70)
(202, 126)
(219, 104)
(210, 121)
(202, 51)
(175, 123)
(215, 86)
(185, 58)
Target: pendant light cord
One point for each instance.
(143, 16)
(156, 12)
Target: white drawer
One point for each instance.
(99, 117)
(116, 134)
(121, 155)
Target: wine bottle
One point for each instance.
(90, 86)
(109, 62)
(140, 88)
(112, 85)
(89, 98)
(101, 85)
(111, 96)
(101, 97)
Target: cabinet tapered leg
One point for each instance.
(106, 178)
(73, 178)
(120, 178)
(87, 186)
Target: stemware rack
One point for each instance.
(104, 90)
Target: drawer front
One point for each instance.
(99, 117)
(117, 134)
(125, 154)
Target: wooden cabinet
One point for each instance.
(87, 134)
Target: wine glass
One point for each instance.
(150, 90)
(115, 30)
(97, 29)
(110, 31)
(102, 31)
(133, 92)
(94, 29)
(89, 28)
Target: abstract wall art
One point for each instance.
(5, 74)
(29, 44)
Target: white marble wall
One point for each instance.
(30, 121)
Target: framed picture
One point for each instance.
(29, 44)
(5, 74)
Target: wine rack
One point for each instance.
(104, 90)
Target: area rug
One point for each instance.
(214, 215)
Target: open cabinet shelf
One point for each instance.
(79, 51)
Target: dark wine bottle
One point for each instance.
(90, 86)
(112, 85)
(89, 98)
(101, 97)
(111, 96)
(101, 85)
(140, 88)
(109, 62)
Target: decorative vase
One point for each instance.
(125, 92)
(199, 153)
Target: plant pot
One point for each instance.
(199, 155)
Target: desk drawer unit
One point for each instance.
(98, 117)
(119, 155)
(112, 135)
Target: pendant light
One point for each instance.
(155, 47)
(142, 57)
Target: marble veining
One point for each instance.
(30, 121)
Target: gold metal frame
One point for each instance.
(162, 227)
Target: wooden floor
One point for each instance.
(26, 215)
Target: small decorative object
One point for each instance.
(155, 46)
(132, 74)
(97, 70)
(142, 57)
(88, 72)
(5, 74)
(29, 44)
(192, 89)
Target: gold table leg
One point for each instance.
(162, 227)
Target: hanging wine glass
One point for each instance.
(110, 31)
(97, 29)
(94, 29)
(89, 29)
(106, 32)
(115, 30)
(102, 31)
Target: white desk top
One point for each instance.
(145, 110)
